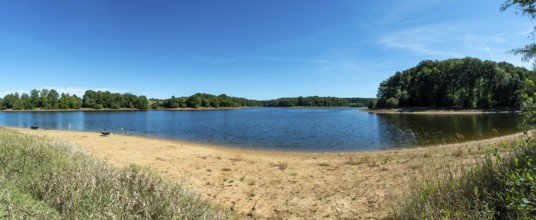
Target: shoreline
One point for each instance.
(245, 149)
(429, 110)
(279, 184)
(159, 109)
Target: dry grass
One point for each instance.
(501, 186)
(45, 179)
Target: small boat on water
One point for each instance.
(34, 127)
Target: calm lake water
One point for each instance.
(293, 129)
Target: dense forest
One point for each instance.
(51, 99)
(207, 100)
(315, 101)
(203, 100)
(467, 83)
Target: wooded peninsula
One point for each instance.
(463, 83)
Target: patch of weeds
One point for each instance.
(226, 169)
(236, 159)
(374, 164)
(387, 159)
(251, 194)
(351, 161)
(280, 166)
(458, 153)
(324, 164)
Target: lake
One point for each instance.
(292, 129)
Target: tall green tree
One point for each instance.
(13, 101)
(90, 99)
(142, 103)
(53, 99)
(75, 102)
(35, 98)
(526, 8)
(64, 101)
(43, 101)
(26, 101)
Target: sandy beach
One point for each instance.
(268, 184)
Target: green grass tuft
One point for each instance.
(47, 179)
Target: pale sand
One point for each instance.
(267, 184)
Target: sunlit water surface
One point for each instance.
(293, 129)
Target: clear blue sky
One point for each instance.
(256, 49)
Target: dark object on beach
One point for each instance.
(34, 127)
(105, 132)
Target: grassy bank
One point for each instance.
(500, 187)
(46, 179)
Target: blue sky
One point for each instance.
(248, 48)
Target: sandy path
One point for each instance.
(267, 184)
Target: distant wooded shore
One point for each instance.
(51, 100)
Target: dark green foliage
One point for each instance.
(108, 100)
(50, 99)
(316, 101)
(527, 8)
(372, 103)
(467, 82)
(44, 99)
(211, 101)
(141, 103)
(206, 101)
(193, 101)
(26, 101)
(13, 101)
(391, 103)
(53, 99)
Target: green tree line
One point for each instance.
(51, 99)
(106, 99)
(467, 83)
(202, 100)
(211, 101)
(316, 101)
(40, 99)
